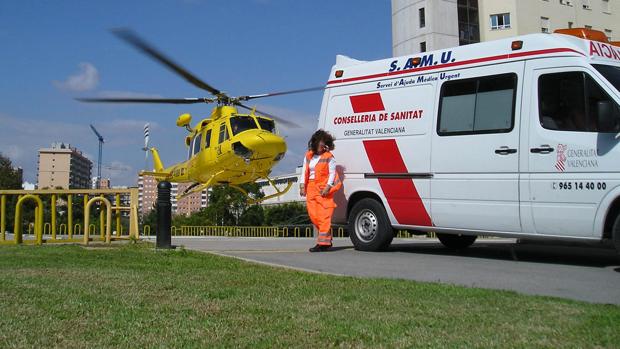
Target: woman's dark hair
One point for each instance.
(317, 137)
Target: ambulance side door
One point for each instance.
(572, 163)
(475, 150)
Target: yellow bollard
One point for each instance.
(108, 232)
(118, 216)
(38, 219)
(53, 208)
(101, 223)
(70, 215)
(2, 217)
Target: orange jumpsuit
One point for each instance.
(320, 208)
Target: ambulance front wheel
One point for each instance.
(369, 226)
(457, 242)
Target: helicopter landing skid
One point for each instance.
(278, 192)
(198, 187)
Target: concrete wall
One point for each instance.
(438, 32)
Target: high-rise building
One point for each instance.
(63, 166)
(147, 197)
(104, 183)
(426, 25)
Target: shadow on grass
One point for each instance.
(534, 252)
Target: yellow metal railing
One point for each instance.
(51, 231)
(258, 231)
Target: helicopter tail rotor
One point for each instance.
(146, 141)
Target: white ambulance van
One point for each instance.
(512, 138)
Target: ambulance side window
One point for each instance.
(477, 106)
(571, 102)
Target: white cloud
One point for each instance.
(86, 79)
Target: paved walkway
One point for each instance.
(583, 273)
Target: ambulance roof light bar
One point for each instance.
(584, 33)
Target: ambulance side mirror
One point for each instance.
(606, 119)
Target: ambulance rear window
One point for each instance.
(477, 106)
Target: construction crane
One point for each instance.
(101, 141)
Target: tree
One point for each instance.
(291, 213)
(228, 206)
(10, 178)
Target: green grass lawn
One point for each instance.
(134, 297)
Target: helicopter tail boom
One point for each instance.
(158, 166)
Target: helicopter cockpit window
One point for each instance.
(208, 139)
(239, 124)
(267, 125)
(223, 132)
(196, 144)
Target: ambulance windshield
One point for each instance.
(611, 73)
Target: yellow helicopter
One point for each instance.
(228, 147)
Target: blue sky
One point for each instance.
(53, 51)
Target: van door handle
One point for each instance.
(544, 149)
(505, 151)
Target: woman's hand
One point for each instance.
(325, 190)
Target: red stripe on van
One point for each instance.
(457, 64)
(367, 103)
(401, 194)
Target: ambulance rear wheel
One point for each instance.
(369, 226)
(457, 242)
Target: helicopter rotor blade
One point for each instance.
(148, 100)
(133, 39)
(284, 122)
(281, 93)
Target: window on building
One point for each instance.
(479, 105)
(469, 24)
(223, 132)
(422, 17)
(606, 6)
(585, 4)
(423, 46)
(571, 102)
(544, 24)
(500, 21)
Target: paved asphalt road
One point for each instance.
(576, 272)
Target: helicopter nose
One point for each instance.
(266, 145)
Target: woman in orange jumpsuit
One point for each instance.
(319, 182)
